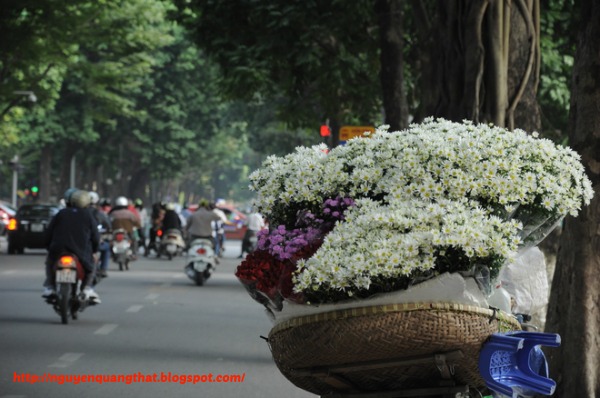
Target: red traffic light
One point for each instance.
(325, 131)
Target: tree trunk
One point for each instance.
(138, 184)
(574, 309)
(428, 89)
(523, 64)
(389, 13)
(65, 168)
(489, 53)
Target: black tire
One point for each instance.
(199, 278)
(207, 275)
(127, 265)
(64, 296)
(11, 248)
(170, 256)
(74, 307)
(120, 266)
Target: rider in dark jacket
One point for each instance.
(73, 230)
(171, 219)
(105, 226)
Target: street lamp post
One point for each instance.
(15, 165)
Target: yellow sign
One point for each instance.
(349, 132)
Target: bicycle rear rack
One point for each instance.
(444, 361)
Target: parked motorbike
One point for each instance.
(171, 244)
(122, 253)
(201, 261)
(69, 299)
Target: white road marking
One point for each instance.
(9, 272)
(135, 308)
(152, 296)
(106, 329)
(66, 360)
(177, 276)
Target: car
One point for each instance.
(28, 227)
(7, 211)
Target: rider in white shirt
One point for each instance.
(255, 223)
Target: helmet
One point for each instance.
(80, 199)
(94, 198)
(121, 201)
(138, 202)
(170, 206)
(67, 195)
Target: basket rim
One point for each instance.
(392, 308)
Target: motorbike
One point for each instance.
(154, 241)
(171, 244)
(69, 299)
(201, 261)
(105, 244)
(122, 252)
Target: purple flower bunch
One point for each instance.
(283, 243)
(333, 209)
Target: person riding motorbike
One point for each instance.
(199, 225)
(255, 223)
(139, 206)
(219, 230)
(158, 212)
(122, 217)
(73, 229)
(102, 219)
(171, 219)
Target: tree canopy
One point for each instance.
(170, 89)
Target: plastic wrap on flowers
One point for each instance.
(536, 226)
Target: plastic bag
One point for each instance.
(526, 280)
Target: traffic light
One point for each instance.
(325, 130)
(34, 190)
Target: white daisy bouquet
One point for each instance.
(384, 212)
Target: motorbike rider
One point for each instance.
(73, 229)
(255, 223)
(102, 219)
(219, 230)
(105, 205)
(122, 217)
(171, 219)
(139, 206)
(158, 213)
(199, 225)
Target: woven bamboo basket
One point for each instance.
(385, 348)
